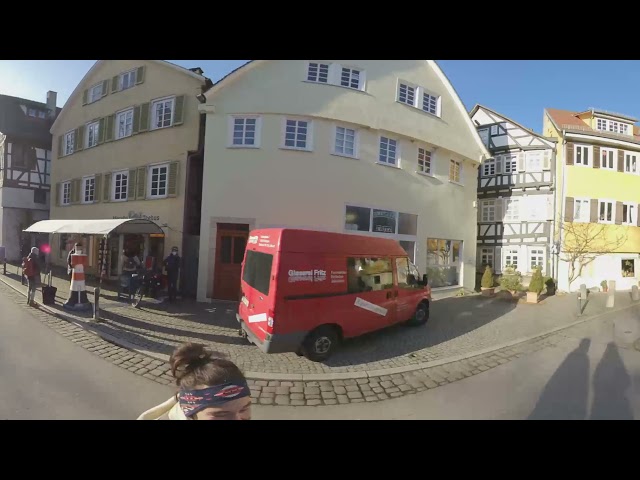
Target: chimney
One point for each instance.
(52, 98)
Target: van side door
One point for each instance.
(407, 293)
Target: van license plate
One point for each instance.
(245, 300)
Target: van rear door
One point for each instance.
(257, 291)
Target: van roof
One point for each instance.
(312, 241)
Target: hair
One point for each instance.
(192, 365)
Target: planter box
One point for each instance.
(532, 297)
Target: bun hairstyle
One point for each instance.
(193, 366)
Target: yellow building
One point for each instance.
(598, 179)
(129, 144)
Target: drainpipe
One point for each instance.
(563, 201)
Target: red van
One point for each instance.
(303, 291)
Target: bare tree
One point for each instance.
(584, 242)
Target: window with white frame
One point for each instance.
(388, 151)
(486, 257)
(93, 129)
(536, 259)
(95, 93)
(612, 126)
(488, 211)
(581, 210)
(510, 163)
(245, 132)
(455, 174)
(69, 142)
(65, 193)
(158, 179)
(124, 124)
(489, 167)
(418, 97)
(601, 124)
(318, 72)
(606, 213)
(533, 161)
(88, 189)
(582, 155)
(607, 158)
(336, 74)
(350, 77)
(345, 142)
(127, 79)
(630, 163)
(120, 182)
(162, 113)
(424, 161)
(624, 128)
(512, 210)
(511, 257)
(629, 213)
(297, 134)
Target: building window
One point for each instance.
(424, 161)
(93, 129)
(601, 124)
(628, 267)
(430, 103)
(486, 257)
(607, 158)
(297, 134)
(127, 80)
(536, 206)
(124, 122)
(581, 210)
(510, 164)
(407, 94)
(624, 128)
(511, 257)
(162, 113)
(318, 72)
(444, 262)
(536, 259)
(40, 196)
(388, 151)
(158, 181)
(417, 97)
(534, 161)
(489, 211)
(245, 132)
(605, 209)
(345, 142)
(582, 155)
(484, 136)
(629, 214)
(89, 189)
(512, 212)
(630, 163)
(69, 142)
(65, 193)
(350, 78)
(489, 167)
(375, 220)
(95, 93)
(120, 185)
(454, 171)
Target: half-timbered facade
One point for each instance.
(25, 169)
(515, 195)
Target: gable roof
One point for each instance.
(568, 120)
(15, 122)
(79, 88)
(507, 119)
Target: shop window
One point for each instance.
(628, 268)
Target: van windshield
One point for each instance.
(257, 270)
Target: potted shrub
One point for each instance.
(486, 285)
(535, 286)
(604, 285)
(511, 280)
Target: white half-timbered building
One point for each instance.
(515, 195)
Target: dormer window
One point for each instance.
(612, 126)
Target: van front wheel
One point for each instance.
(421, 316)
(320, 343)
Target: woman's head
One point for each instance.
(211, 388)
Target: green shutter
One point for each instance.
(178, 115)
(98, 191)
(136, 120)
(101, 126)
(172, 183)
(60, 146)
(79, 140)
(85, 96)
(140, 75)
(75, 190)
(144, 117)
(58, 187)
(115, 84)
(131, 185)
(109, 128)
(106, 188)
(105, 88)
(141, 184)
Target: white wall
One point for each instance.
(21, 198)
(605, 267)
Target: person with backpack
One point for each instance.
(31, 269)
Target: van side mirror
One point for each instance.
(411, 279)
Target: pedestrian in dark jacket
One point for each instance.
(172, 264)
(32, 268)
(76, 249)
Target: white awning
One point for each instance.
(96, 227)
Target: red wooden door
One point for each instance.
(230, 247)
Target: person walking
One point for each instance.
(32, 268)
(172, 264)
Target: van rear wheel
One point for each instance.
(421, 316)
(320, 343)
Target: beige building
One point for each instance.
(128, 144)
(374, 147)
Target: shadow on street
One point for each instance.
(611, 383)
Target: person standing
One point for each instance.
(76, 249)
(172, 264)
(32, 269)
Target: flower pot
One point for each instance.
(532, 297)
(487, 292)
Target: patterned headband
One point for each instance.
(193, 401)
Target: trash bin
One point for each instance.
(49, 295)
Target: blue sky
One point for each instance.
(519, 89)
